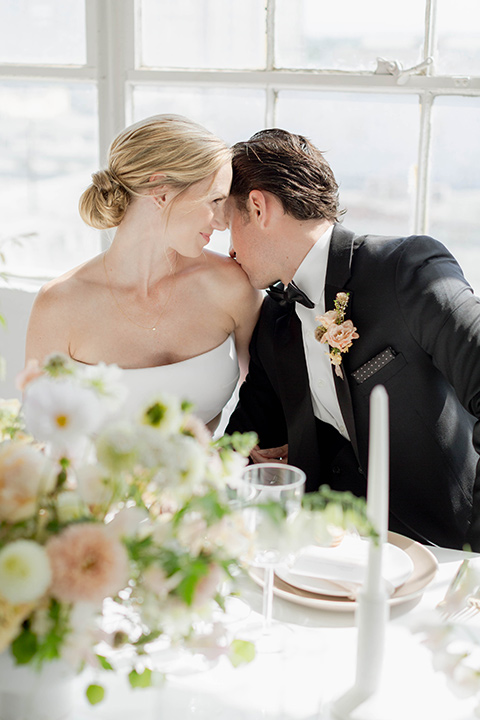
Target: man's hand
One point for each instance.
(277, 454)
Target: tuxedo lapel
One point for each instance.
(338, 274)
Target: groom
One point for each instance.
(356, 311)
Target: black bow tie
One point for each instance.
(289, 294)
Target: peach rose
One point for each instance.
(340, 336)
(327, 319)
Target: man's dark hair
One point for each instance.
(290, 167)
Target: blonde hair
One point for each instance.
(179, 149)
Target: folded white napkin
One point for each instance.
(347, 562)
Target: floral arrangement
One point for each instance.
(132, 516)
(122, 536)
(337, 332)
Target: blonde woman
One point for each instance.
(174, 315)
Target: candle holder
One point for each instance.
(372, 602)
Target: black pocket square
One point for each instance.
(369, 368)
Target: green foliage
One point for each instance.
(95, 694)
(342, 509)
(241, 652)
(24, 646)
(104, 662)
(209, 505)
(243, 443)
(28, 646)
(140, 680)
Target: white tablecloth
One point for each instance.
(299, 684)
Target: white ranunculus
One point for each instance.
(62, 414)
(25, 473)
(25, 572)
(107, 381)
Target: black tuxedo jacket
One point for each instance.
(412, 308)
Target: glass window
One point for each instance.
(203, 33)
(348, 35)
(371, 143)
(455, 181)
(48, 151)
(220, 110)
(458, 33)
(42, 31)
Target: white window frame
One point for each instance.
(113, 64)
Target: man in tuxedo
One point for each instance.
(402, 315)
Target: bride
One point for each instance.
(177, 318)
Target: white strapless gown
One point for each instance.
(207, 381)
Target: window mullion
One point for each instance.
(430, 33)
(423, 177)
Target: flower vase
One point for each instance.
(28, 694)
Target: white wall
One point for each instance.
(15, 306)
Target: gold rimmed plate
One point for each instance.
(424, 569)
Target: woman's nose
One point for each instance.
(219, 219)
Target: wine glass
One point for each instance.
(272, 494)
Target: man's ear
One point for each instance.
(258, 206)
(264, 207)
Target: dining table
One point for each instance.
(316, 666)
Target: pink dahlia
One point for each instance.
(87, 564)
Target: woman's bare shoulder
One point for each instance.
(228, 274)
(69, 287)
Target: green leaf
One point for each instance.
(95, 694)
(24, 646)
(241, 652)
(104, 662)
(140, 680)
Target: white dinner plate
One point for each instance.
(316, 569)
(424, 569)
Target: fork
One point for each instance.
(460, 601)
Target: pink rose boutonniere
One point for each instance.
(337, 332)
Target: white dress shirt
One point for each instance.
(310, 277)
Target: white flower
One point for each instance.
(61, 413)
(106, 380)
(25, 473)
(192, 532)
(24, 571)
(95, 486)
(164, 413)
(69, 506)
(128, 522)
(118, 446)
(464, 680)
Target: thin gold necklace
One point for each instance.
(120, 307)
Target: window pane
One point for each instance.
(48, 151)
(220, 110)
(49, 32)
(348, 35)
(203, 33)
(371, 143)
(458, 32)
(454, 211)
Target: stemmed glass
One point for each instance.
(272, 494)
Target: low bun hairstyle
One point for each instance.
(171, 145)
